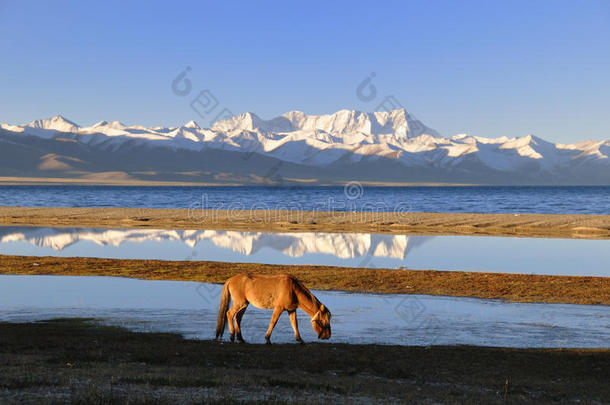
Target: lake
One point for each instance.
(480, 199)
(190, 308)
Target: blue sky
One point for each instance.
(483, 67)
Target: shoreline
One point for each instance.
(110, 180)
(122, 179)
(513, 225)
(75, 360)
(583, 290)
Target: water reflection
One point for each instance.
(470, 253)
(191, 308)
(347, 249)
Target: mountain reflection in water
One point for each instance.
(364, 248)
(547, 256)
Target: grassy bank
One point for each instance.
(511, 287)
(522, 225)
(75, 361)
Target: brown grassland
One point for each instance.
(79, 361)
(510, 287)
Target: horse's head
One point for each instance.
(321, 322)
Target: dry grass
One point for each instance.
(522, 225)
(75, 361)
(510, 287)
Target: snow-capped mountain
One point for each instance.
(388, 146)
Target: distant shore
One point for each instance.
(509, 287)
(412, 223)
(124, 179)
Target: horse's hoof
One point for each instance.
(268, 342)
(301, 342)
(232, 338)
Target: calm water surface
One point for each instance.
(483, 199)
(473, 253)
(190, 308)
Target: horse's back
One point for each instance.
(263, 291)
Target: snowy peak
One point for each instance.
(341, 122)
(252, 122)
(192, 125)
(396, 122)
(57, 123)
(394, 140)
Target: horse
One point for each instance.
(278, 292)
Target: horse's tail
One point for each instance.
(225, 299)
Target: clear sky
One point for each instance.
(488, 68)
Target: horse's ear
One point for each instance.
(322, 308)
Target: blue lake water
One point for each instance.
(471, 253)
(492, 199)
(190, 308)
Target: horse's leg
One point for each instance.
(295, 325)
(230, 316)
(277, 311)
(238, 317)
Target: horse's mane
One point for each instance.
(306, 292)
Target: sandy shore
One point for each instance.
(521, 225)
(510, 287)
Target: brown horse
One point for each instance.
(280, 293)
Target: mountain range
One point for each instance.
(294, 148)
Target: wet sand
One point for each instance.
(519, 225)
(510, 287)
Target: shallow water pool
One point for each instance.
(190, 308)
(471, 253)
